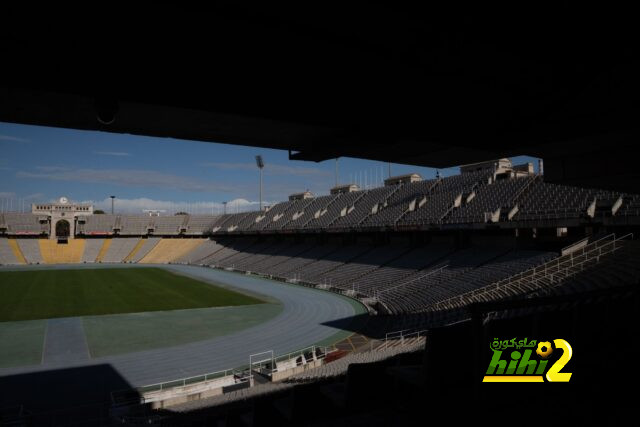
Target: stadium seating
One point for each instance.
(92, 249)
(371, 201)
(282, 254)
(614, 270)
(339, 367)
(55, 253)
(256, 256)
(8, 254)
(400, 268)
(24, 224)
(194, 256)
(468, 198)
(230, 248)
(317, 270)
(293, 208)
(200, 224)
(97, 224)
(551, 201)
(270, 218)
(30, 248)
(488, 199)
(142, 248)
(336, 207)
(119, 249)
(391, 209)
(168, 225)
(134, 225)
(631, 205)
(410, 276)
(168, 250)
(347, 273)
(402, 279)
(300, 217)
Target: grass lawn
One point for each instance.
(45, 294)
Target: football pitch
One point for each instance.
(46, 294)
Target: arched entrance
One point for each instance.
(63, 228)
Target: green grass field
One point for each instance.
(45, 294)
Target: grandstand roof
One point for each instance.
(408, 86)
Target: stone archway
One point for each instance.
(63, 228)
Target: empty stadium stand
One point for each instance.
(101, 224)
(207, 248)
(167, 250)
(410, 276)
(420, 255)
(24, 224)
(30, 249)
(55, 253)
(10, 253)
(142, 248)
(199, 224)
(104, 249)
(474, 199)
(92, 249)
(133, 225)
(118, 249)
(169, 225)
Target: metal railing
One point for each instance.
(547, 275)
(430, 273)
(570, 248)
(241, 376)
(188, 381)
(303, 352)
(514, 199)
(402, 335)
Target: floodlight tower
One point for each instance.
(112, 197)
(260, 164)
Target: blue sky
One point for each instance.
(39, 164)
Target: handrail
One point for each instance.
(181, 382)
(553, 263)
(295, 354)
(402, 336)
(514, 198)
(185, 381)
(572, 245)
(412, 280)
(556, 261)
(547, 270)
(566, 271)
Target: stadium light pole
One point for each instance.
(112, 197)
(260, 164)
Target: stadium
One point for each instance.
(386, 303)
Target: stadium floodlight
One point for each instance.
(260, 164)
(112, 198)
